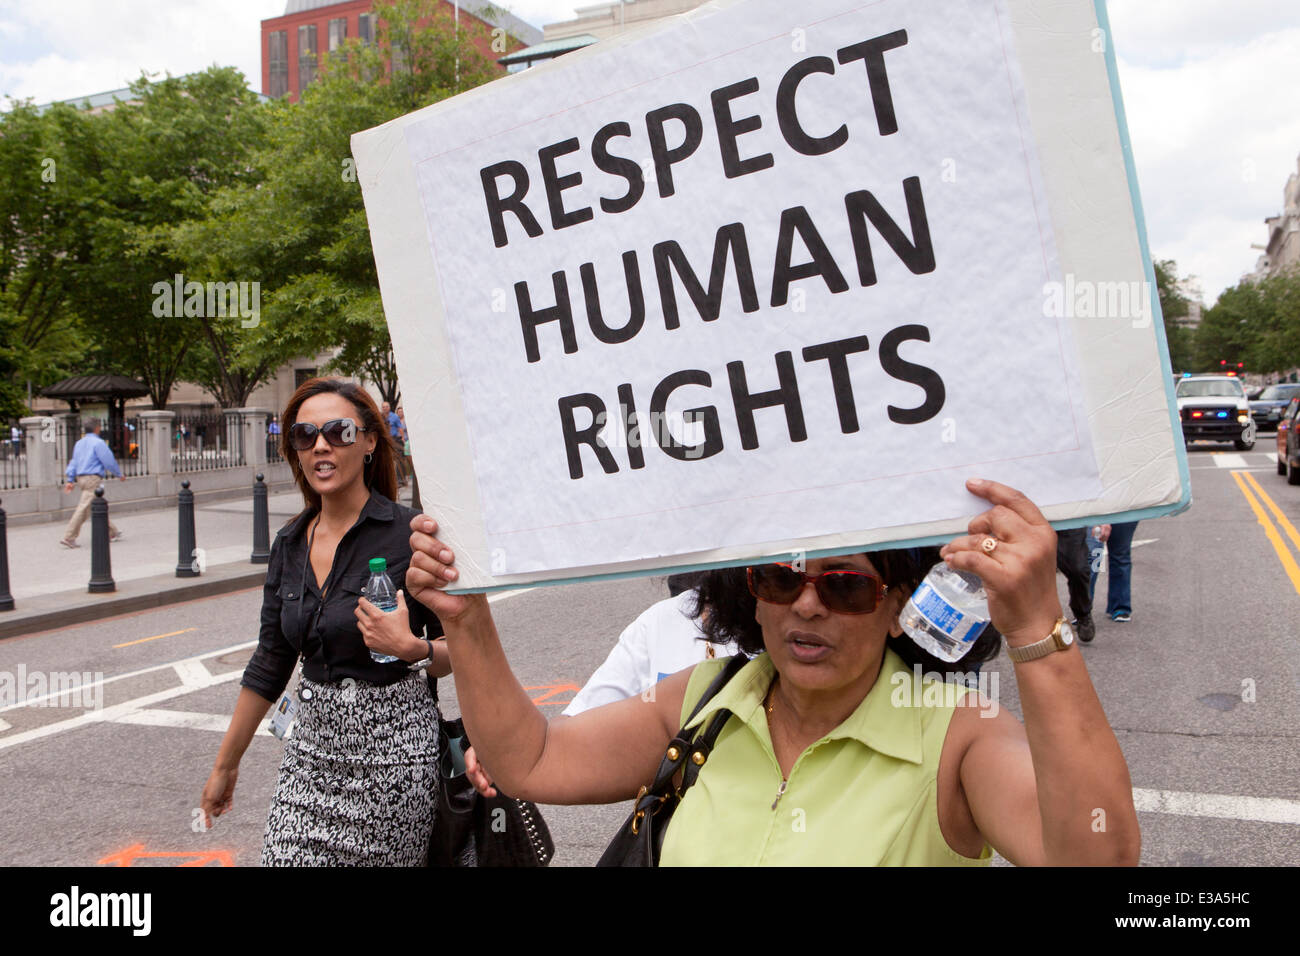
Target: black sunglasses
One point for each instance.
(846, 592)
(339, 432)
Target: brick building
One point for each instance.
(293, 44)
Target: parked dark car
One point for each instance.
(1288, 454)
(1268, 408)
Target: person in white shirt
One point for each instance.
(663, 640)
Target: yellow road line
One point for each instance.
(154, 638)
(1283, 555)
(1287, 526)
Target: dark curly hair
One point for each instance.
(726, 610)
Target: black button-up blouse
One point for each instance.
(295, 621)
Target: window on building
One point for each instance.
(338, 32)
(400, 61)
(307, 50)
(278, 55)
(301, 375)
(366, 28)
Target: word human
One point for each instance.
(75, 908)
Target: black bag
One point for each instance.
(472, 830)
(640, 839)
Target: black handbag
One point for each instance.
(470, 829)
(640, 839)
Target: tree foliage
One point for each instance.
(1174, 306)
(1257, 322)
(299, 228)
(196, 177)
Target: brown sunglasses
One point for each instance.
(845, 592)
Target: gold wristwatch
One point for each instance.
(1061, 638)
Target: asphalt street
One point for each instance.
(1201, 689)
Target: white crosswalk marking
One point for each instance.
(176, 718)
(194, 676)
(1229, 461)
(192, 673)
(1224, 806)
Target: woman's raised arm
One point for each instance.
(601, 756)
(1057, 791)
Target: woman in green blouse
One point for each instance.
(832, 757)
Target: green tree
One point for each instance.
(1229, 327)
(156, 164)
(299, 226)
(1257, 322)
(42, 216)
(1174, 306)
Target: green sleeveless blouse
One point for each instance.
(865, 794)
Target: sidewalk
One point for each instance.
(49, 582)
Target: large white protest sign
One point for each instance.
(773, 277)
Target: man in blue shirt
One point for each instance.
(397, 436)
(92, 460)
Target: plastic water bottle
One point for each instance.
(381, 593)
(947, 613)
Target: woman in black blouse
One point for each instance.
(357, 780)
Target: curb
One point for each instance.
(65, 608)
(135, 505)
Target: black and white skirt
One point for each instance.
(357, 780)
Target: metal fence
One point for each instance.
(128, 444)
(13, 457)
(273, 442)
(205, 442)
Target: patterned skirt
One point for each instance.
(357, 780)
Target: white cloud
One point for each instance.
(1169, 32)
(1214, 137)
(1211, 90)
(88, 46)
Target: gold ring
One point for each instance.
(988, 544)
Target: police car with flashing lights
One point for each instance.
(1215, 408)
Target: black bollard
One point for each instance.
(261, 525)
(6, 599)
(186, 564)
(101, 568)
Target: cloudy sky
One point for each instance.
(1212, 91)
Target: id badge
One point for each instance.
(285, 711)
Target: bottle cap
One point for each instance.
(378, 565)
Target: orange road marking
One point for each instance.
(551, 691)
(156, 637)
(200, 857)
(1283, 555)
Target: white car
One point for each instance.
(1214, 407)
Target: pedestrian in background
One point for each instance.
(406, 466)
(1072, 560)
(397, 438)
(272, 438)
(1118, 541)
(92, 460)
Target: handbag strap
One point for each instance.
(686, 744)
